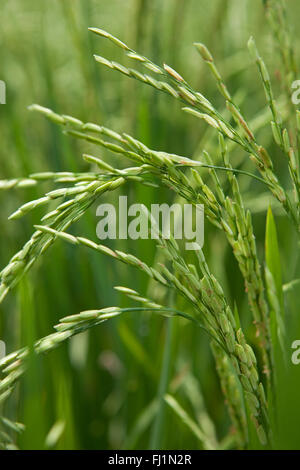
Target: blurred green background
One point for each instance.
(104, 383)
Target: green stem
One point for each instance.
(233, 170)
(157, 431)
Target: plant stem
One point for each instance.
(157, 431)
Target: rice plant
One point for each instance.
(251, 368)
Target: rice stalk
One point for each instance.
(202, 108)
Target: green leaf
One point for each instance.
(189, 422)
(273, 279)
(273, 255)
